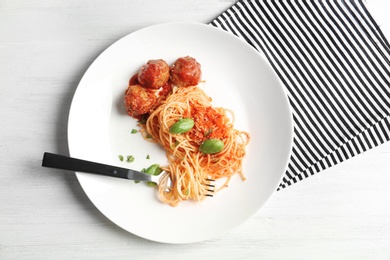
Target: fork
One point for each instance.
(63, 162)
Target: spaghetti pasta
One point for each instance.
(188, 167)
(210, 149)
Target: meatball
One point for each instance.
(138, 100)
(185, 72)
(134, 80)
(154, 74)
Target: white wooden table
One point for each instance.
(45, 47)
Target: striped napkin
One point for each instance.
(334, 62)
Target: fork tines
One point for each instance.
(211, 187)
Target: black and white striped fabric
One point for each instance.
(334, 62)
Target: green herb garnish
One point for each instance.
(153, 169)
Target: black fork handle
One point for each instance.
(62, 162)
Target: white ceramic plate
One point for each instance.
(237, 77)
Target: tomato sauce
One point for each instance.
(209, 123)
(165, 89)
(134, 80)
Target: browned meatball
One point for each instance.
(185, 72)
(138, 100)
(154, 74)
